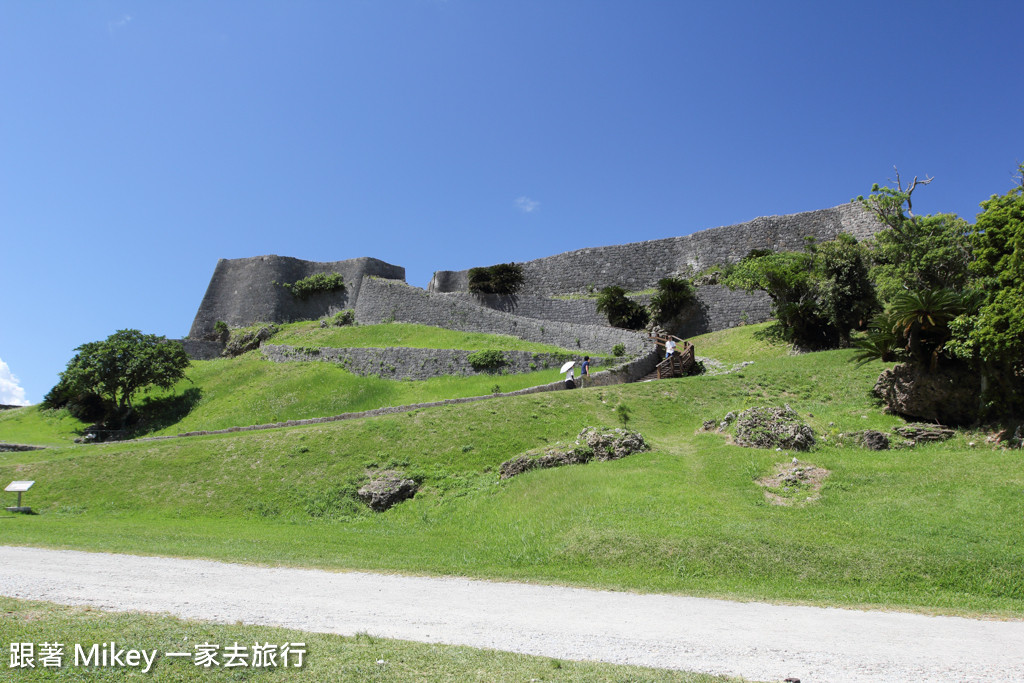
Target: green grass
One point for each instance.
(231, 392)
(327, 657)
(406, 335)
(250, 390)
(34, 425)
(935, 528)
(738, 344)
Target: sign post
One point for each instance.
(19, 487)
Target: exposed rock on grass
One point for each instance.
(924, 433)
(872, 440)
(795, 483)
(249, 340)
(776, 427)
(591, 444)
(949, 394)
(387, 489)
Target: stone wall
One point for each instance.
(386, 301)
(243, 291)
(716, 308)
(201, 349)
(415, 364)
(640, 265)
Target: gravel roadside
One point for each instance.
(759, 641)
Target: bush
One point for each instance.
(489, 359)
(621, 310)
(673, 295)
(504, 278)
(619, 350)
(315, 284)
(343, 318)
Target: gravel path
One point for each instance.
(759, 641)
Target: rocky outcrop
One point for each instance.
(776, 427)
(948, 395)
(249, 340)
(387, 489)
(591, 444)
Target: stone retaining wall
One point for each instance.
(387, 301)
(717, 308)
(640, 265)
(416, 364)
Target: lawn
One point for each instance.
(933, 528)
(326, 657)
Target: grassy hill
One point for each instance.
(934, 527)
(246, 390)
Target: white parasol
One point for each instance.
(567, 365)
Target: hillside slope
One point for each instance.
(934, 527)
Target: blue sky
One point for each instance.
(140, 141)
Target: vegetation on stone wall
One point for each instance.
(620, 309)
(503, 278)
(672, 296)
(487, 359)
(316, 284)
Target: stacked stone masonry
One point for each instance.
(389, 301)
(249, 290)
(640, 265)
(414, 364)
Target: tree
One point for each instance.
(620, 309)
(672, 296)
(916, 253)
(118, 367)
(818, 295)
(992, 336)
(503, 278)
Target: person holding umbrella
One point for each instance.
(569, 368)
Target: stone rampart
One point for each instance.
(201, 349)
(414, 364)
(716, 308)
(386, 301)
(640, 265)
(249, 290)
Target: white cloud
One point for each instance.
(527, 205)
(119, 24)
(11, 393)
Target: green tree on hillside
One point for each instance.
(118, 367)
(818, 295)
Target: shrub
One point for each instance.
(673, 295)
(503, 278)
(315, 284)
(621, 311)
(343, 318)
(489, 359)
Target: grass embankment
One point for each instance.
(232, 392)
(327, 657)
(932, 528)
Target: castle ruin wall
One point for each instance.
(249, 290)
(639, 265)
